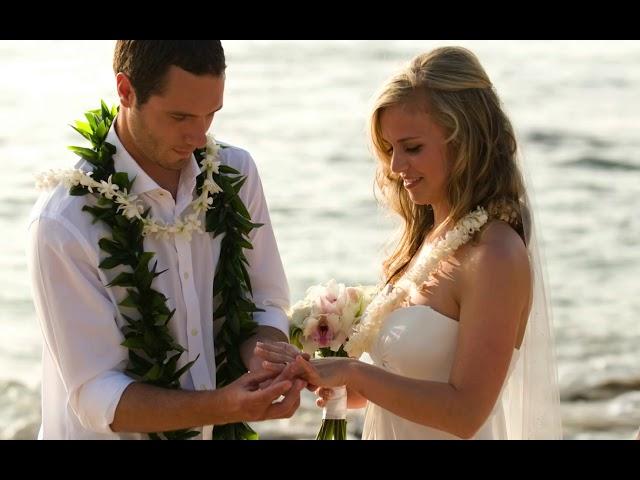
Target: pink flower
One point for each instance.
(323, 333)
(328, 304)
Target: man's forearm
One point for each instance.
(263, 334)
(146, 408)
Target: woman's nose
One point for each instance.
(398, 163)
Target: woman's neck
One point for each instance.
(441, 221)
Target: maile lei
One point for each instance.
(427, 262)
(153, 353)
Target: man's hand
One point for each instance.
(248, 402)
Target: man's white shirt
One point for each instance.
(83, 362)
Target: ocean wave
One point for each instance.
(599, 386)
(621, 414)
(556, 139)
(19, 411)
(599, 163)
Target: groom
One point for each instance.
(169, 94)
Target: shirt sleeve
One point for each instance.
(78, 321)
(269, 283)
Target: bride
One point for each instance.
(460, 337)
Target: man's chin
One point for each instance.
(176, 164)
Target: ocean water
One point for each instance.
(300, 108)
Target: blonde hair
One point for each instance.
(482, 169)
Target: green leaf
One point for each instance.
(170, 366)
(113, 261)
(245, 244)
(106, 112)
(110, 148)
(237, 186)
(129, 301)
(144, 260)
(158, 302)
(122, 180)
(84, 133)
(127, 318)
(220, 311)
(100, 132)
(78, 191)
(243, 221)
(120, 235)
(185, 368)
(245, 276)
(170, 316)
(232, 322)
(227, 170)
(133, 342)
(154, 373)
(85, 153)
(109, 246)
(236, 203)
(93, 120)
(123, 280)
(104, 214)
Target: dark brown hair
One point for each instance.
(146, 62)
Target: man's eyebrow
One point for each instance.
(185, 114)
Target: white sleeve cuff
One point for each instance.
(96, 400)
(272, 317)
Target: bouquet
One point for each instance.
(320, 325)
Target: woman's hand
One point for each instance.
(354, 399)
(278, 352)
(277, 355)
(319, 372)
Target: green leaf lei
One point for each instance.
(153, 353)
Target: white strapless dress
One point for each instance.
(419, 342)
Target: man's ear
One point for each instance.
(125, 90)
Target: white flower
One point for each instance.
(128, 204)
(210, 164)
(150, 228)
(131, 210)
(108, 189)
(428, 260)
(211, 186)
(299, 312)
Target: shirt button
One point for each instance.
(186, 275)
(194, 332)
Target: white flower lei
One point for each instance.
(129, 204)
(384, 303)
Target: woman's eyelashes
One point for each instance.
(412, 150)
